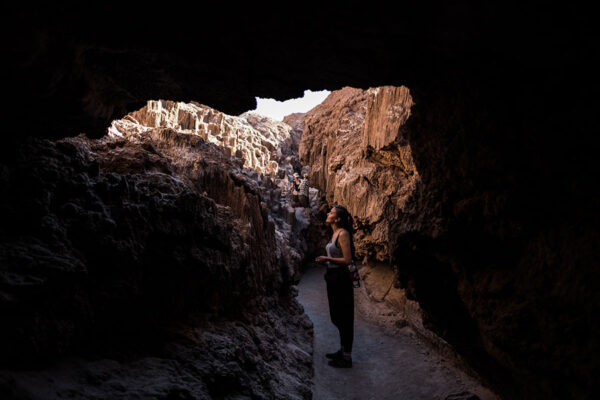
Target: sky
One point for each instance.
(278, 109)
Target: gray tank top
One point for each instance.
(333, 251)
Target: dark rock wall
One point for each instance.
(125, 249)
(502, 250)
(512, 229)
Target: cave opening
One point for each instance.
(193, 209)
(351, 145)
(499, 238)
(181, 226)
(277, 110)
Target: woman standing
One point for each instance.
(295, 188)
(304, 191)
(340, 292)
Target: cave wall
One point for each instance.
(144, 265)
(502, 253)
(511, 233)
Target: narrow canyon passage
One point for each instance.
(150, 238)
(384, 366)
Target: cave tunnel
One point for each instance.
(498, 243)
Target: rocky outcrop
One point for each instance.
(489, 226)
(358, 158)
(267, 150)
(152, 253)
(257, 140)
(296, 122)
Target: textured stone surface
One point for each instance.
(264, 359)
(257, 146)
(356, 160)
(153, 255)
(355, 147)
(482, 266)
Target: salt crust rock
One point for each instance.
(258, 140)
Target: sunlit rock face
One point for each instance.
(296, 122)
(152, 245)
(355, 146)
(359, 157)
(264, 150)
(258, 140)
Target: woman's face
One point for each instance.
(332, 216)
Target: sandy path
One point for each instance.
(385, 366)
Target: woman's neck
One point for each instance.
(335, 228)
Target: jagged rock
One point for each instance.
(296, 122)
(140, 246)
(487, 281)
(266, 146)
(359, 157)
(256, 139)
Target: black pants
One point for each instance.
(303, 200)
(340, 295)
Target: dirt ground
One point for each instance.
(390, 361)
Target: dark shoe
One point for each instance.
(337, 354)
(341, 362)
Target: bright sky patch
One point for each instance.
(278, 109)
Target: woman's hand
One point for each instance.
(322, 259)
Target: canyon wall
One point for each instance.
(358, 156)
(358, 162)
(509, 237)
(486, 281)
(153, 254)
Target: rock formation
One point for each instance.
(257, 146)
(296, 122)
(152, 253)
(500, 241)
(357, 158)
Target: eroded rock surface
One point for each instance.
(484, 269)
(154, 254)
(258, 140)
(358, 157)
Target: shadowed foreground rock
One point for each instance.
(152, 256)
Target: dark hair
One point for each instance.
(347, 223)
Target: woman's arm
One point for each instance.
(344, 241)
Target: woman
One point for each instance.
(340, 293)
(295, 187)
(304, 190)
